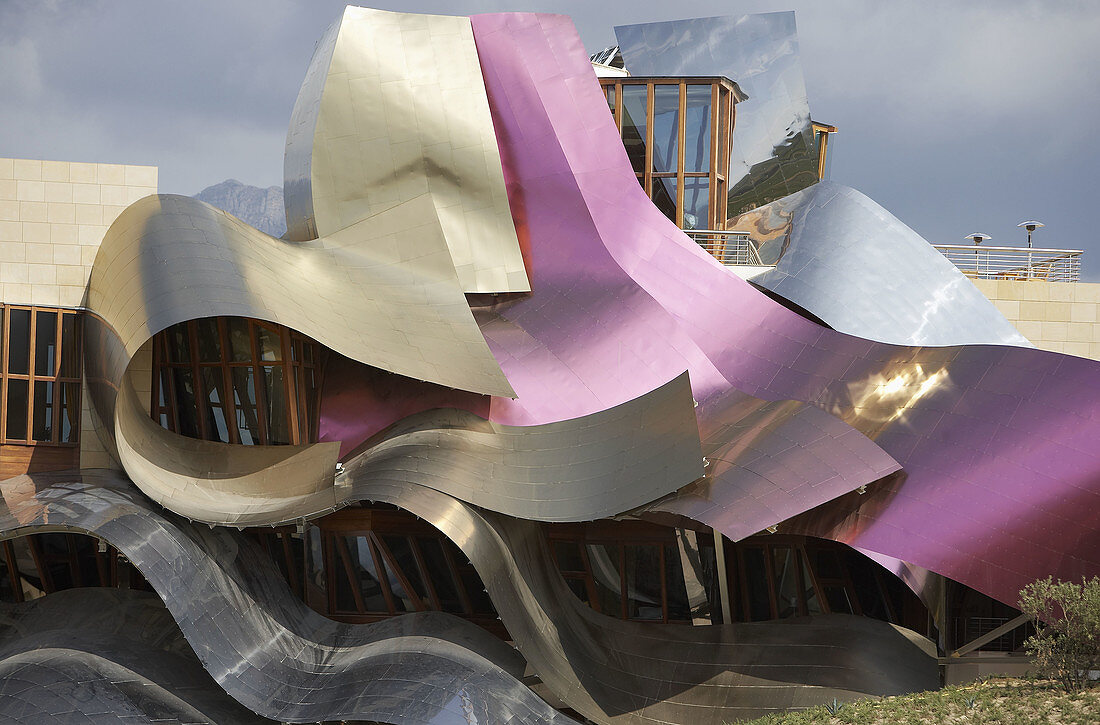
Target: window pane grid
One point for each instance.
(41, 375)
(236, 380)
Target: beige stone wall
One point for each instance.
(1058, 316)
(52, 218)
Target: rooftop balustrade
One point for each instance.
(1016, 263)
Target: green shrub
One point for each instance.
(1066, 643)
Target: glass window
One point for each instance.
(214, 387)
(604, 559)
(785, 569)
(244, 401)
(19, 342)
(17, 409)
(634, 125)
(240, 340)
(643, 581)
(755, 581)
(442, 580)
(356, 585)
(179, 343)
(664, 195)
(70, 412)
(45, 343)
(568, 554)
(209, 340)
(666, 128)
(696, 202)
(43, 410)
(70, 346)
(697, 128)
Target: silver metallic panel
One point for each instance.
(582, 469)
(383, 291)
(104, 656)
(394, 107)
(862, 271)
(615, 671)
(260, 643)
(774, 152)
(768, 461)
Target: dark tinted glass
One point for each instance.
(604, 560)
(643, 581)
(19, 342)
(45, 343)
(185, 399)
(17, 410)
(70, 412)
(271, 345)
(210, 348)
(696, 202)
(634, 125)
(756, 581)
(442, 580)
(664, 195)
(240, 340)
(43, 411)
(214, 390)
(278, 425)
(70, 346)
(179, 343)
(677, 586)
(353, 559)
(568, 554)
(244, 398)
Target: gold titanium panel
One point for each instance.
(382, 291)
(400, 112)
(222, 483)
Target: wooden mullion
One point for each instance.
(290, 383)
(433, 597)
(460, 585)
(712, 165)
(4, 374)
(260, 382)
(397, 572)
(13, 569)
(349, 572)
(681, 136)
(29, 433)
(648, 169)
(230, 403)
(55, 429)
(380, 571)
(196, 380)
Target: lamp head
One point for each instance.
(978, 237)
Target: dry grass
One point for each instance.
(996, 701)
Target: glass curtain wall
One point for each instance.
(677, 135)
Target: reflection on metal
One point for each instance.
(774, 152)
(728, 247)
(583, 469)
(1015, 263)
(222, 483)
(393, 107)
(383, 291)
(104, 655)
(857, 267)
(616, 671)
(770, 460)
(261, 644)
(621, 295)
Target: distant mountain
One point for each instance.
(262, 208)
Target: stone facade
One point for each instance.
(1058, 316)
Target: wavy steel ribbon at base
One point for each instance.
(263, 646)
(95, 655)
(615, 671)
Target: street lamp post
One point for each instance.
(1030, 225)
(978, 237)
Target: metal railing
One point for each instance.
(727, 247)
(1017, 263)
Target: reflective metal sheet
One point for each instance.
(616, 671)
(860, 270)
(104, 656)
(774, 151)
(383, 291)
(393, 107)
(260, 643)
(997, 443)
(582, 469)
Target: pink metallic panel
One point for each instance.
(998, 444)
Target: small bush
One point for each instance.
(1066, 643)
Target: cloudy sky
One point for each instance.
(957, 116)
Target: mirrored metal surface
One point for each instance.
(774, 151)
(393, 106)
(997, 443)
(861, 271)
(616, 671)
(104, 656)
(259, 642)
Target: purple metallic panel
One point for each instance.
(999, 444)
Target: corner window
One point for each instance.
(236, 380)
(41, 376)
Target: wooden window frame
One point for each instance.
(302, 411)
(34, 376)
